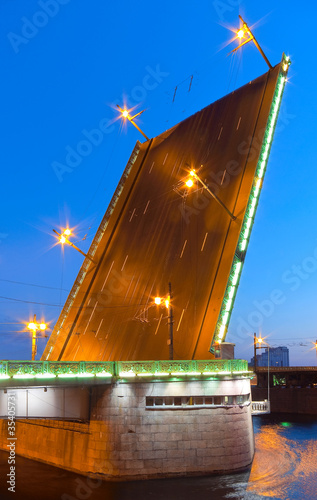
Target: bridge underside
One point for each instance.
(156, 230)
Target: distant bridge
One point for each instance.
(288, 377)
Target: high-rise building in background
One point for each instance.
(276, 356)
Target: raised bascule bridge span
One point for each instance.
(105, 400)
(157, 231)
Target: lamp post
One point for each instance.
(245, 30)
(256, 341)
(63, 238)
(260, 341)
(189, 183)
(168, 305)
(125, 114)
(34, 327)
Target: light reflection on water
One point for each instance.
(284, 465)
(284, 468)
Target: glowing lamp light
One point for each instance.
(167, 303)
(62, 239)
(67, 232)
(260, 340)
(189, 183)
(42, 326)
(192, 173)
(125, 113)
(158, 301)
(240, 33)
(32, 326)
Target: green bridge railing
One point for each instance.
(122, 369)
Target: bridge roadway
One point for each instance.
(161, 232)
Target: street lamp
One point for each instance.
(63, 238)
(189, 183)
(245, 31)
(34, 327)
(125, 114)
(260, 341)
(167, 301)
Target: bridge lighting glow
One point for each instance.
(247, 223)
(125, 114)
(251, 38)
(40, 369)
(189, 183)
(158, 301)
(63, 238)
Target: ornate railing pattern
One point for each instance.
(122, 369)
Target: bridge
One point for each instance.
(157, 231)
(104, 400)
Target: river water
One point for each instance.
(284, 468)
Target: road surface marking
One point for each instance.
(204, 242)
(128, 288)
(173, 168)
(103, 286)
(99, 328)
(180, 320)
(238, 123)
(158, 325)
(90, 317)
(150, 297)
(223, 177)
(125, 260)
(165, 158)
(135, 288)
(151, 167)
(220, 133)
(132, 215)
(146, 207)
(181, 255)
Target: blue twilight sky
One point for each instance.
(65, 63)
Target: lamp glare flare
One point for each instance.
(36, 326)
(248, 220)
(65, 234)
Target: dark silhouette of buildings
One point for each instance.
(277, 356)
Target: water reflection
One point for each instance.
(283, 469)
(285, 460)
